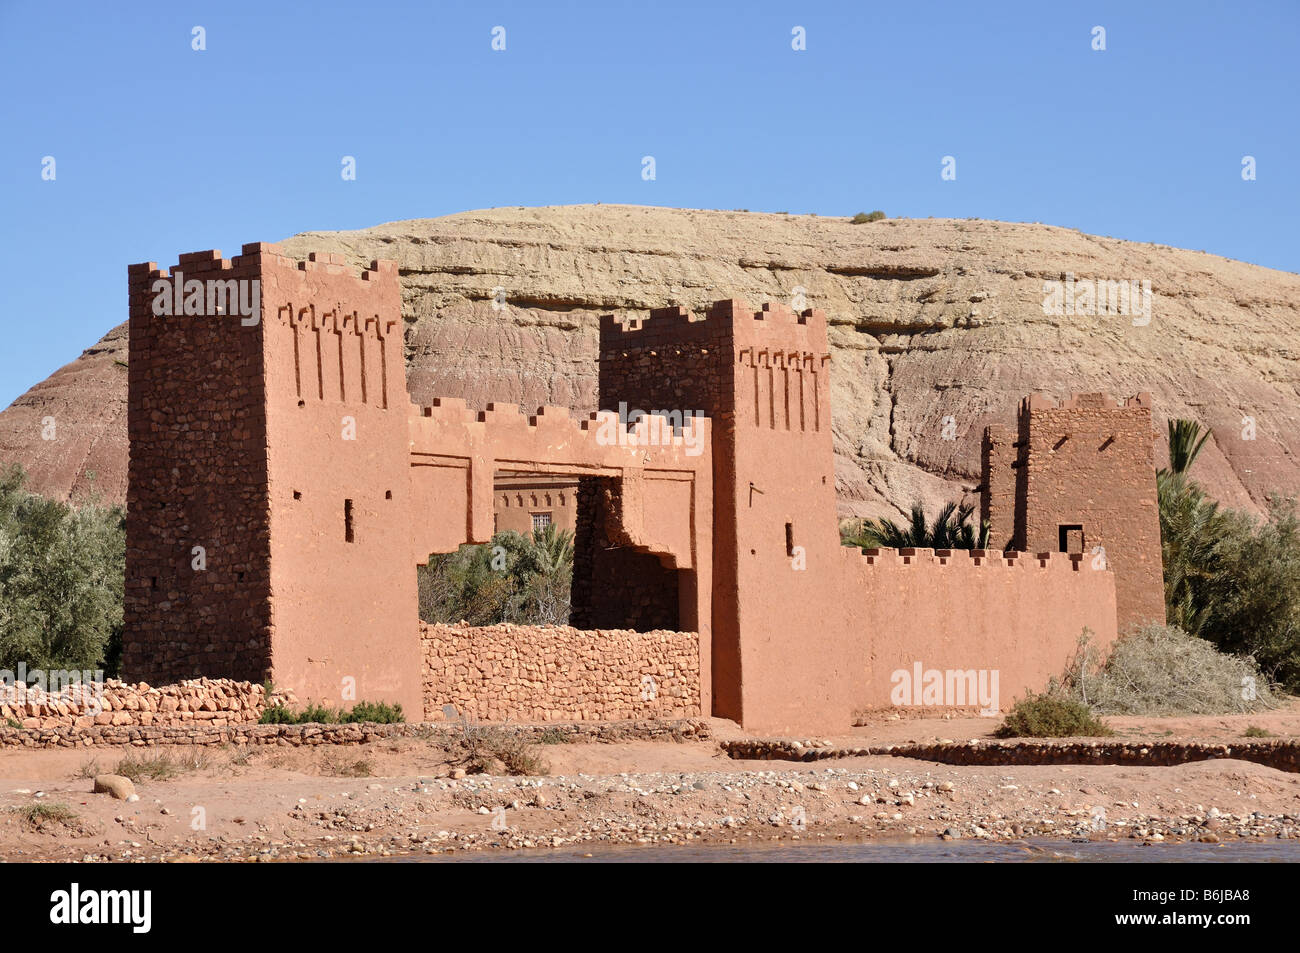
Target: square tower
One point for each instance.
(763, 378)
(268, 478)
(1079, 476)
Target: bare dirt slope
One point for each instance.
(930, 318)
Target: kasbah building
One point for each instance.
(709, 576)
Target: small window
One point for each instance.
(789, 539)
(1070, 538)
(541, 521)
(348, 535)
(297, 494)
(388, 494)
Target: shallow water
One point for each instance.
(893, 851)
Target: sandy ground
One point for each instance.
(402, 797)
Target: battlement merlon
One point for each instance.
(1085, 401)
(674, 431)
(730, 322)
(324, 281)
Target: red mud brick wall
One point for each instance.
(668, 362)
(883, 613)
(280, 447)
(1020, 616)
(558, 673)
(998, 506)
(342, 573)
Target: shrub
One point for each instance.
(154, 768)
(1232, 579)
(484, 744)
(1254, 731)
(313, 714)
(862, 217)
(1050, 715)
(45, 814)
(1162, 670)
(61, 580)
(277, 715)
(520, 758)
(514, 578)
(359, 768)
(378, 712)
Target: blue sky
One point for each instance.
(161, 149)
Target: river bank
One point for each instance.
(413, 796)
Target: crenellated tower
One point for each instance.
(268, 477)
(1079, 477)
(763, 378)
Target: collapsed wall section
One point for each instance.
(558, 673)
(616, 586)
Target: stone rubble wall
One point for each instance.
(208, 734)
(558, 673)
(197, 701)
(1282, 755)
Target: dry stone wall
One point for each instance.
(557, 673)
(208, 734)
(199, 701)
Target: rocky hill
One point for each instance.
(930, 318)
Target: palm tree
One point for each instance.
(1193, 531)
(551, 550)
(1183, 445)
(950, 529)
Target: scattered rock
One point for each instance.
(114, 784)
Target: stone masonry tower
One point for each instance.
(1080, 477)
(763, 377)
(268, 485)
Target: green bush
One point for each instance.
(45, 815)
(313, 714)
(61, 581)
(277, 715)
(514, 578)
(1233, 579)
(380, 713)
(1050, 715)
(862, 217)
